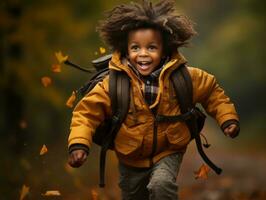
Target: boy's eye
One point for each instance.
(152, 47)
(134, 47)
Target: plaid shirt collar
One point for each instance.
(151, 83)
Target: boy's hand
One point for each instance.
(232, 130)
(77, 158)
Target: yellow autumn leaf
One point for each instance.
(52, 193)
(44, 150)
(60, 57)
(102, 50)
(71, 100)
(202, 172)
(24, 191)
(56, 68)
(94, 195)
(46, 81)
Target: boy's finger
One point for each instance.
(84, 157)
(78, 156)
(81, 156)
(230, 129)
(233, 131)
(226, 132)
(75, 163)
(71, 160)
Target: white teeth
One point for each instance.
(143, 66)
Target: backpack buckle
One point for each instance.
(193, 111)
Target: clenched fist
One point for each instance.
(232, 130)
(77, 158)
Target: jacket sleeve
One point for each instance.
(212, 97)
(88, 114)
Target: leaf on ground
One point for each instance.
(46, 81)
(24, 191)
(44, 150)
(52, 193)
(202, 172)
(94, 195)
(56, 68)
(60, 57)
(71, 100)
(102, 50)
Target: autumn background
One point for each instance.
(230, 45)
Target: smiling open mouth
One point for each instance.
(144, 64)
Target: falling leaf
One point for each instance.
(202, 172)
(95, 53)
(44, 150)
(60, 57)
(46, 81)
(94, 195)
(71, 100)
(24, 191)
(52, 193)
(23, 124)
(102, 50)
(56, 68)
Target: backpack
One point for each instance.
(119, 88)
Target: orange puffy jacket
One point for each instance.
(134, 141)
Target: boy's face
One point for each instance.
(145, 49)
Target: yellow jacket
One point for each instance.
(134, 141)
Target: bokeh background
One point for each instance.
(230, 45)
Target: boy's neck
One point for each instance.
(153, 75)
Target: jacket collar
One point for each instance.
(120, 64)
(175, 61)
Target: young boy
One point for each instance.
(145, 39)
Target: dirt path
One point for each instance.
(243, 178)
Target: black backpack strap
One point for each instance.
(119, 91)
(184, 90)
(94, 79)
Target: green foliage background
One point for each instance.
(230, 45)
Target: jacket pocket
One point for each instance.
(134, 118)
(128, 144)
(178, 136)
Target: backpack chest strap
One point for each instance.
(177, 118)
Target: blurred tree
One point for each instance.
(13, 102)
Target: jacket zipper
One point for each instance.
(155, 125)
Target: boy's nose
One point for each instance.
(143, 52)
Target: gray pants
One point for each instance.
(156, 183)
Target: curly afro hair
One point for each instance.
(176, 29)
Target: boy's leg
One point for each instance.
(133, 183)
(162, 183)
